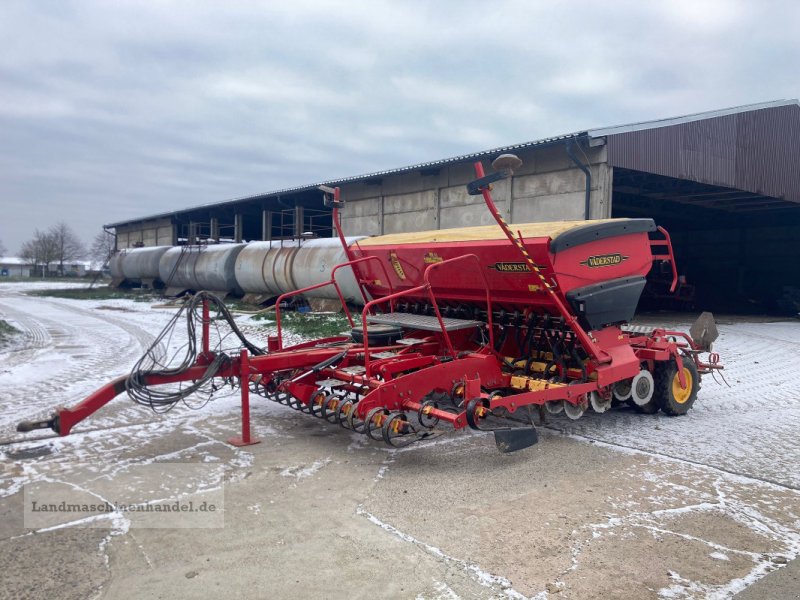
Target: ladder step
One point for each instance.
(410, 341)
(331, 383)
(640, 329)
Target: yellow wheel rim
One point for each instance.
(682, 395)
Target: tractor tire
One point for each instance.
(377, 335)
(651, 407)
(673, 399)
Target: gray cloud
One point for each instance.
(112, 110)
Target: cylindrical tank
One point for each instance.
(115, 265)
(201, 267)
(314, 262)
(142, 263)
(137, 264)
(261, 267)
(286, 265)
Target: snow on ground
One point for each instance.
(71, 347)
(748, 428)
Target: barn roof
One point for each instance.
(751, 147)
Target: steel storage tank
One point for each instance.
(287, 265)
(115, 266)
(265, 267)
(314, 262)
(197, 268)
(141, 263)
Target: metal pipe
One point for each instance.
(587, 173)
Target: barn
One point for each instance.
(724, 183)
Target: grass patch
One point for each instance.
(313, 325)
(102, 292)
(7, 331)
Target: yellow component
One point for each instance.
(432, 258)
(481, 411)
(398, 268)
(681, 395)
(534, 288)
(551, 229)
(535, 365)
(521, 382)
(427, 409)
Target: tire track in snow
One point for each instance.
(70, 350)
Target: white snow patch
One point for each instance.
(300, 472)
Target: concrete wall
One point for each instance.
(149, 233)
(548, 187)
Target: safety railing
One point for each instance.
(428, 289)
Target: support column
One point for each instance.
(192, 235)
(266, 225)
(237, 228)
(298, 221)
(214, 233)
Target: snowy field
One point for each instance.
(734, 459)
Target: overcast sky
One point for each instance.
(111, 109)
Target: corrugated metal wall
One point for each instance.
(756, 151)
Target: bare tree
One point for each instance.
(40, 251)
(2, 249)
(102, 248)
(68, 246)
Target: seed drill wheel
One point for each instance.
(346, 407)
(674, 399)
(554, 406)
(354, 423)
(316, 404)
(427, 421)
(623, 390)
(575, 411)
(374, 422)
(330, 408)
(600, 402)
(643, 393)
(395, 427)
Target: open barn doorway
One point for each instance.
(736, 251)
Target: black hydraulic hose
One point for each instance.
(588, 175)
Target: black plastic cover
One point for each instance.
(597, 231)
(606, 303)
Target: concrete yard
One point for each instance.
(618, 505)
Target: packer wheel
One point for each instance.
(643, 393)
(673, 398)
(575, 411)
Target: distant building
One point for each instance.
(11, 266)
